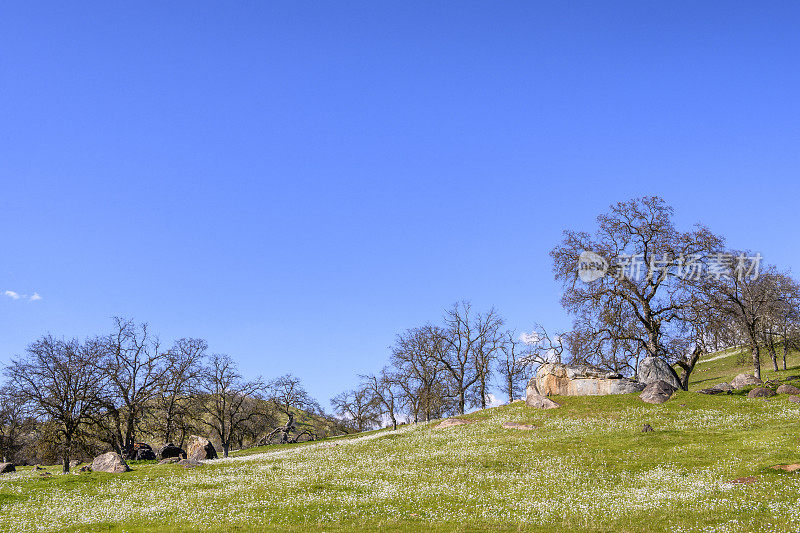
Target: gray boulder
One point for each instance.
(744, 380)
(6, 468)
(170, 450)
(540, 402)
(110, 462)
(652, 369)
(719, 388)
(794, 399)
(761, 392)
(556, 379)
(200, 449)
(788, 389)
(188, 463)
(657, 392)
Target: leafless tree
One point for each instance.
(747, 300)
(416, 357)
(63, 382)
(231, 401)
(384, 392)
(14, 421)
(466, 336)
(180, 379)
(134, 366)
(357, 408)
(627, 313)
(513, 365)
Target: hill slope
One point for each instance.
(586, 467)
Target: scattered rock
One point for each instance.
(75, 463)
(170, 450)
(188, 463)
(657, 392)
(450, 422)
(85, 468)
(788, 389)
(745, 480)
(788, 468)
(169, 460)
(141, 451)
(541, 402)
(647, 428)
(761, 392)
(744, 380)
(6, 468)
(45, 474)
(200, 448)
(794, 399)
(110, 462)
(579, 380)
(519, 426)
(654, 369)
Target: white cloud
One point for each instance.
(17, 296)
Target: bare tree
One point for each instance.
(183, 367)
(513, 365)
(746, 300)
(14, 420)
(465, 335)
(637, 307)
(384, 392)
(134, 366)
(63, 383)
(416, 357)
(357, 408)
(231, 401)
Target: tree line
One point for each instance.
(67, 398)
(661, 292)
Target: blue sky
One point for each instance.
(298, 182)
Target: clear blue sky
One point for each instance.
(298, 182)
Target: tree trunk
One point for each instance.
(687, 367)
(67, 447)
(772, 353)
(225, 447)
(755, 352)
(785, 347)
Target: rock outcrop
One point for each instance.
(652, 369)
(540, 402)
(719, 388)
(6, 468)
(745, 380)
(200, 449)
(580, 380)
(788, 389)
(169, 450)
(110, 462)
(657, 392)
(761, 392)
(142, 452)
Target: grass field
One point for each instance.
(587, 467)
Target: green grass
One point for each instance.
(588, 467)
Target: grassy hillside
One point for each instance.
(586, 467)
(723, 366)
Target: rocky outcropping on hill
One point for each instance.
(170, 450)
(745, 380)
(657, 392)
(110, 462)
(653, 369)
(540, 402)
(200, 449)
(580, 380)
